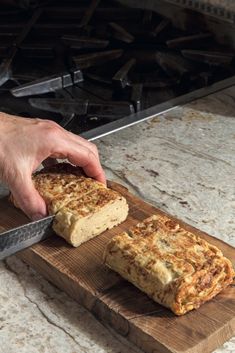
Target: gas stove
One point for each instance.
(98, 66)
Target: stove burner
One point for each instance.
(89, 64)
(110, 110)
(48, 84)
(120, 79)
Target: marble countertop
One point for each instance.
(183, 162)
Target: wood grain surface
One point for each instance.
(81, 273)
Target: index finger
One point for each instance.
(87, 160)
(83, 157)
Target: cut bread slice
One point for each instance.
(83, 207)
(86, 217)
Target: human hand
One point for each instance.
(25, 143)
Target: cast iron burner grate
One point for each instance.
(98, 66)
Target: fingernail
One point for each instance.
(37, 216)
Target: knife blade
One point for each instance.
(19, 238)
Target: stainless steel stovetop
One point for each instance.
(97, 67)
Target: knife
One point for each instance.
(19, 238)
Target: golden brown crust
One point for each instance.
(58, 190)
(54, 180)
(176, 268)
(83, 188)
(61, 183)
(92, 201)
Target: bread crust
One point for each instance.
(58, 189)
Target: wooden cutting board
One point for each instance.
(81, 273)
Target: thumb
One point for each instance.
(28, 198)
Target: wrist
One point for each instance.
(9, 124)
(6, 121)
